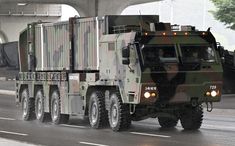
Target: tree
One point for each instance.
(225, 12)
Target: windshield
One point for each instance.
(154, 55)
(192, 53)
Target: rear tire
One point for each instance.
(41, 115)
(28, 108)
(191, 118)
(166, 122)
(56, 115)
(119, 114)
(98, 116)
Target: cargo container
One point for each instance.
(53, 45)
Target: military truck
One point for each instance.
(117, 69)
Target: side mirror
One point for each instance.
(222, 59)
(126, 61)
(221, 51)
(126, 52)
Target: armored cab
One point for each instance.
(162, 68)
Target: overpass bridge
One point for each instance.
(88, 7)
(15, 14)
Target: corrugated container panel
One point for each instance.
(56, 46)
(86, 35)
(38, 47)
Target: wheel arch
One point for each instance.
(36, 88)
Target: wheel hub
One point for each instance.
(55, 110)
(114, 115)
(94, 114)
(25, 107)
(39, 108)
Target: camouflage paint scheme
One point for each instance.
(173, 82)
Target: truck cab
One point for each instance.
(162, 72)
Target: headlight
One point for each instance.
(146, 94)
(213, 93)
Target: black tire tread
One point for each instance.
(46, 117)
(191, 118)
(31, 111)
(103, 114)
(166, 122)
(125, 120)
(62, 118)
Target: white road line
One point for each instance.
(11, 142)
(228, 95)
(8, 92)
(95, 144)
(147, 134)
(8, 119)
(73, 126)
(218, 127)
(14, 133)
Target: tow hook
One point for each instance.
(209, 106)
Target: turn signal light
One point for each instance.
(208, 93)
(153, 94)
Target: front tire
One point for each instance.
(166, 122)
(41, 115)
(28, 108)
(119, 114)
(56, 115)
(191, 118)
(98, 115)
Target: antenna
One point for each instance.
(141, 21)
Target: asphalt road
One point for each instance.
(218, 129)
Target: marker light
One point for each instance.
(146, 94)
(146, 33)
(153, 94)
(203, 33)
(175, 33)
(213, 93)
(163, 33)
(185, 33)
(208, 93)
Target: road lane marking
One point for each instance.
(11, 142)
(9, 119)
(13, 133)
(94, 144)
(73, 126)
(218, 127)
(8, 92)
(153, 135)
